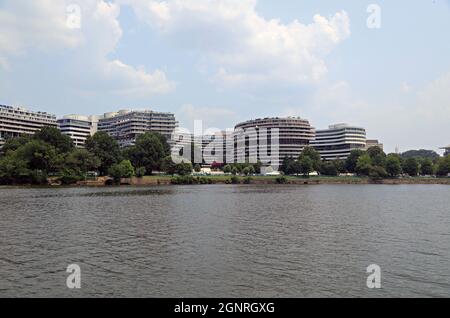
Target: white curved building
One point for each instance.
(285, 136)
(338, 141)
(78, 128)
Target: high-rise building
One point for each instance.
(338, 141)
(125, 126)
(18, 121)
(282, 137)
(78, 128)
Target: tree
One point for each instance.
(183, 169)
(328, 168)
(104, 147)
(168, 166)
(377, 173)
(227, 169)
(54, 137)
(443, 166)
(377, 156)
(393, 165)
(313, 155)
(12, 144)
(140, 172)
(364, 165)
(411, 167)
(352, 160)
(197, 168)
(149, 151)
(122, 170)
(427, 167)
(38, 155)
(306, 165)
(430, 154)
(286, 166)
(82, 161)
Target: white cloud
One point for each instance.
(212, 117)
(30, 26)
(243, 47)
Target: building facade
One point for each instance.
(125, 126)
(447, 150)
(338, 141)
(78, 128)
(374, 143)
(283, 137)
(18, 121)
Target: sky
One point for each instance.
(227, 61)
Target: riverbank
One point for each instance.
(168, 180)
(257, 180)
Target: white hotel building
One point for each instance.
(78, 128)
(18, 121)
(338, 141)
(126, 125)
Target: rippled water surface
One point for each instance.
(226, 241)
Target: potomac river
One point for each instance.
(226, 241)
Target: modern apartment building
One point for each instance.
(447, 150)
(126, 125)
(282, 137)
(338, 141)
(374, 143)
(18, 121)
(78, 128)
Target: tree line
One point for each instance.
(33, 159)
(373, 163)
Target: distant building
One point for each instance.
(374, 143)
(125, 126)
(78, 128)
(338, 141)
(292, 135)
(447, 150)
(18, 121)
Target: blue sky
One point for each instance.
(224, 61)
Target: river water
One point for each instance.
(226, 241)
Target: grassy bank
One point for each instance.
(165, 180)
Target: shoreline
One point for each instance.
(254, 180)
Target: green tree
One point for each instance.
(364, 165)
(121, 170)
(377, 156)
(393, 165)
(306, 165)
(443, 166)
(149, 151)
(183, 169)
(328, 168)
(104, 147)
(54, 137)
(377, 173)
(168, 166)
(227, 169)
(82, 161)
(352, 160)
(140, 172)
(38, 155)
(12, 144)
(411, 167)
(427, 167)
(313, 155)
(197, 168)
